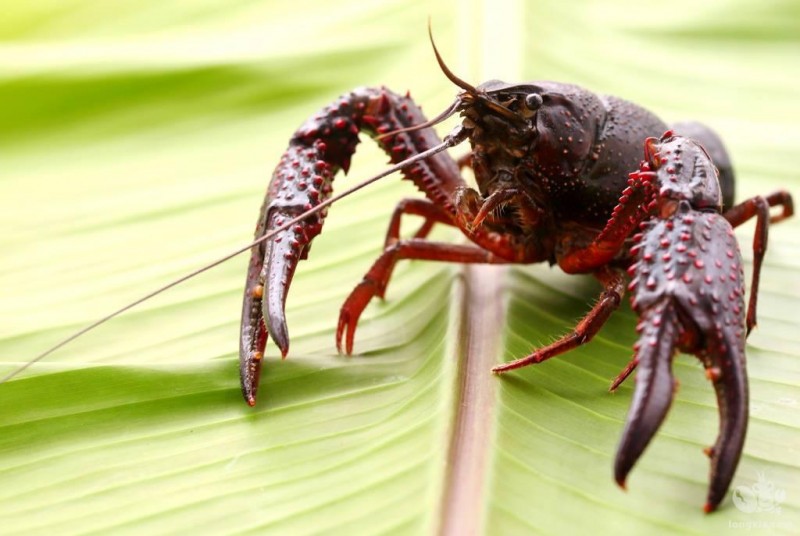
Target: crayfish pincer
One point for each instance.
(560, 179)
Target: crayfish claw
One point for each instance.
(279, 266)
(253, 334)
(730, 385)
(689, 292)
(269, 275)
(303, 181)
(653, 396)
(655, 386)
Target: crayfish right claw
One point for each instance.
(688, 289)
(261, 315)
(655, 387)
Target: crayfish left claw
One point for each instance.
(666, 327)
(263, 310)
(662, 333)
(300, 181)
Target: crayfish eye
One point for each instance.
(533, 101)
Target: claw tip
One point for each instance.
(708, 508)
(279, 332)
(251, 401)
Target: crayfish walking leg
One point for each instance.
(585, 330)
(758, 207)
(595, 257)
(492, 248)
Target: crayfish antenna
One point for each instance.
(449, 111)
(458, 135)
(469, 88)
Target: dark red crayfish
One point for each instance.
(553, 167)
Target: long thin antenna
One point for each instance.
(469, 88)
(427, 124)
(452, 139)
(446, 70)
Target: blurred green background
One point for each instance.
(136, 141)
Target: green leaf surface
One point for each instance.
(136, 141)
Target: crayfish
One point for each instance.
(560, 179)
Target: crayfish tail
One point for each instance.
(655, 385)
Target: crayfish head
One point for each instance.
(496, 112)
(501, 121)
(502, 112)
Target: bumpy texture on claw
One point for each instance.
(654, 386)
(302, 180)
(689, 291)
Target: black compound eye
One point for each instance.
(533, 101)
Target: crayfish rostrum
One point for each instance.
(561, 179)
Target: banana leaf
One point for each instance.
(136, 141)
